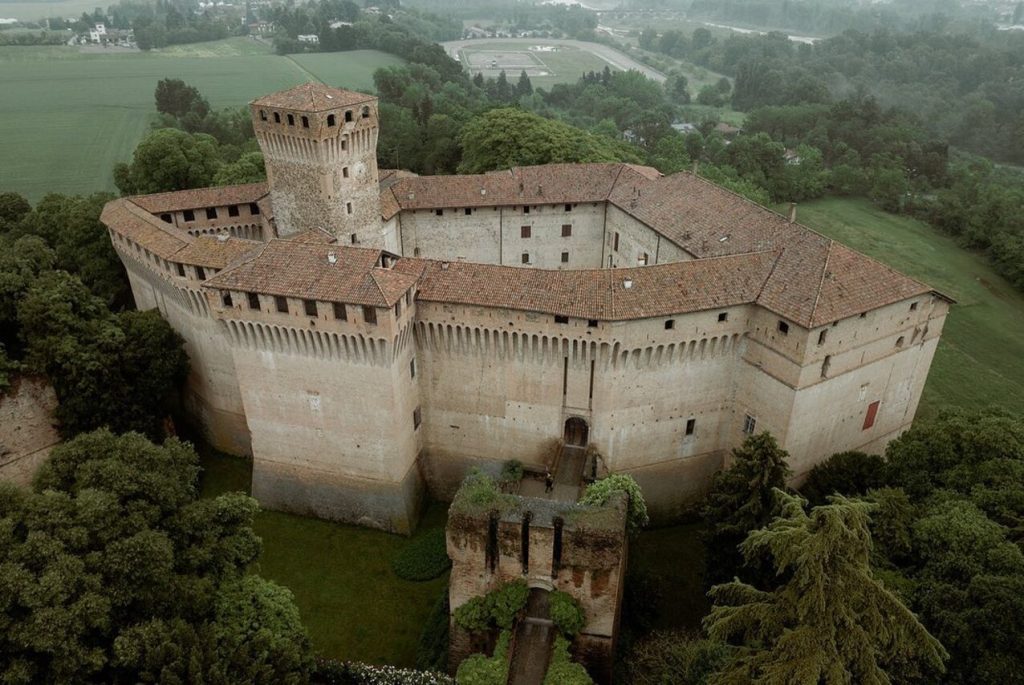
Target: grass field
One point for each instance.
(70, 116)
(563, 65)
(978, 362)
(352, 604)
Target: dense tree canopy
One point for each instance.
(114, 571)
(832, 620)
(169, 159)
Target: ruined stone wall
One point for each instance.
(211, 395)
(581, 551)
(28, 428)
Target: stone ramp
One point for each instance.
(533, 639)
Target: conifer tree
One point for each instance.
(832, 621)
(741, 500)
(524, 87)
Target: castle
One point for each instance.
(368, 336)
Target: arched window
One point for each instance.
(366, 112)
(263, 115)
(331, 120)
(348, 115)
(291, 120)
(277, 117)
(305, 122)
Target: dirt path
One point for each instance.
(612, 56)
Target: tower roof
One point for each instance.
(313, 97)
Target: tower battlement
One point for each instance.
(320, 149)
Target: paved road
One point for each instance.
(613, 57)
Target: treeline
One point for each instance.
(878, 570)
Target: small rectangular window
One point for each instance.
(263, 115)
(591, 323)
(353, 238)
(869, 418)
(226, 299)
(254, 208)
(189, 215)
(468, 211)
(412, 368)
(233, 210)
(309, 306)
(211, 212)
(200, 273)
(417, 418)
(568, 207)
(821, 336)
(615, 244)
(305, 122)
(348, 115)
(561, 319)
(691, 424)
(723, 316)
(166, 218)
(439, 212)
(526, 258)
(254, 302)
(281, 303)
(181, 270)
(913, 306)
(783, 328)
(291, 120)
(339, 311)
(348, 207)
(332, 120)
(566, 230)
(670, 324)
(642, 259)
(565, 258)
(277, 117)
(344, 172)
(525, 231)
(749, 424)
(369, 314)
(526, 209)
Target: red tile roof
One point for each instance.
(201, 197)
(305, 270)
(313, 97)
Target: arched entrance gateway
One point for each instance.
(577, 432)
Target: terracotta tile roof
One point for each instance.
(313, 97)
(124, 217)
(296, 269)
(216, 251)
(316, 236)
(201, 197)
(551, 183)
(602, 294)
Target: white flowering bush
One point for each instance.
(353, 673)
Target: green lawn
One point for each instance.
(979, 360)
(352, 604)
(566, 64)
(69, 117)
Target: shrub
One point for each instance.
(479, 669)
(599, 492)
(675, 657)
(566, 612)
(330, 672)
(478, 489)
(511, 471)
(423, 557)
(498, 607)
(562, 670)
(432, 650)
(846, 473)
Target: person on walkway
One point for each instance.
(549, 481)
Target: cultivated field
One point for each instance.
(978, 362)
(69, 117)
(546, 61)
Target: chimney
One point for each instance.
(627, 283)
(332, 258)
(792, 212)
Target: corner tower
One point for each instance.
(320, 148)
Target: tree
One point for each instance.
(177, 98)
(502, 138)
(832, 620)
(741, 500)
(844, 473)
(523, 86)
(677, 88)
(114, 571)
(12, 208)
(675, 657)
(169, 159)
(249, 168)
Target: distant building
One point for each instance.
(310, 38)
(727, 130)
(685, 127)
(98, 33)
